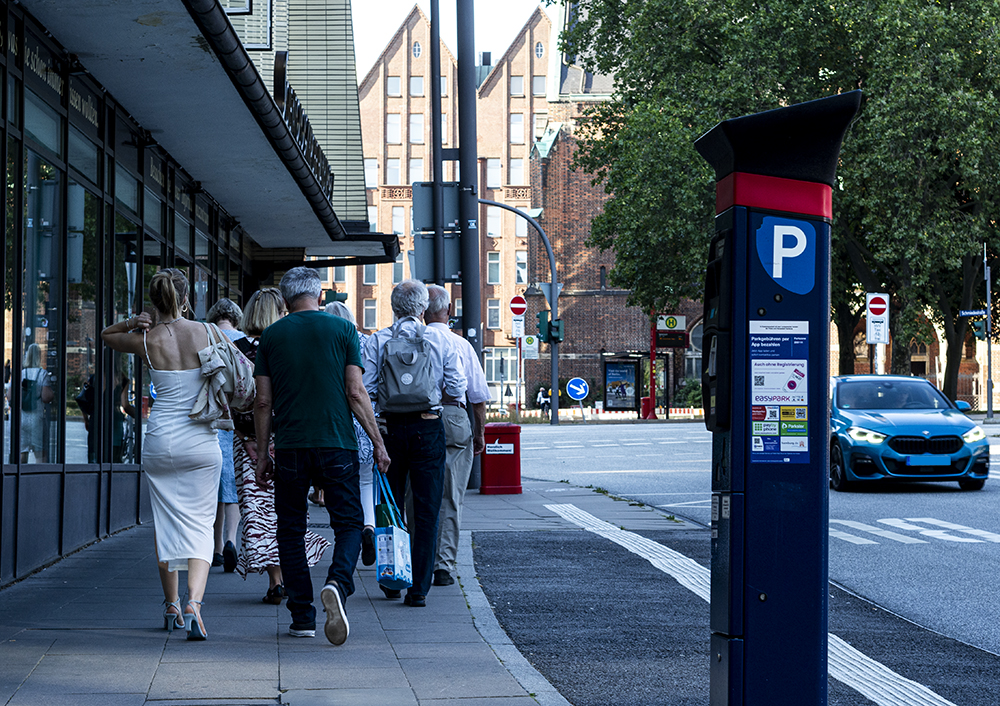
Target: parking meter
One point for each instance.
(766, 369)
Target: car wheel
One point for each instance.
(838, 474)
(972, 483)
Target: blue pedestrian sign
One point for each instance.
(577, 389)
(972, 312)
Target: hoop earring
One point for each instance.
(184, 309)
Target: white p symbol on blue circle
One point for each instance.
(787, 251)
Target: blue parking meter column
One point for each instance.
(766, 366)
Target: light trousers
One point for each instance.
(458, 467)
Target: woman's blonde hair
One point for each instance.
(33, 356)
(264, 308)
(167, 290)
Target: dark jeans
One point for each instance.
(416, 448)
(336, 472)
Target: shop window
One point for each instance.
(42, 379)
(202, 250)
(369, 315)
(10, 366)
(152, 212)
(492, 268)
(199, 290)
(126, 189)
(42, 123)
(493, 314)
(84, 156)
(182, 234)
(13, 100)
(119, 407)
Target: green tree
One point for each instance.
(918, 179)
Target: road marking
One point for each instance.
(690, 503)
(872, 679)
(895, 536)
(636, 443)
(568, 446)
(988, 536)
(603, 446)
(853, 539)
(673, 470)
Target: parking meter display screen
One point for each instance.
(779, 391)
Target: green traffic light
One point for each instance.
(543, 326)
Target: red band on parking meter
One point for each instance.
(774, 194)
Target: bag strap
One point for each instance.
(385, 491)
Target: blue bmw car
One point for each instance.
(889, 427)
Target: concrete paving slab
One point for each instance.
(31, 698)
(349, 697)
(330, 676)
(91, 674)
(471, 677)
(222, 680)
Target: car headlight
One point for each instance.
(866, 435)
(974, 434)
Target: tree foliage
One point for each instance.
(918, 183)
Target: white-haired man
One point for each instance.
(463, 442)
(415, 439)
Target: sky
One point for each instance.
(497, 23)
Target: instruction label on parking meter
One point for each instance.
(779, 391)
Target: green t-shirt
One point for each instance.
(305, 355)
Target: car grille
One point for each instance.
(899, 468)
(915, 445)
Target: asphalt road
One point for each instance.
(918, 562)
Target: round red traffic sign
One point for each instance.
(877, 306)
(518, 305)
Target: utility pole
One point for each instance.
(436, 155)
(468, 160)
(989, 339)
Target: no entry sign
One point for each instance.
(877, 318)
(518, 305)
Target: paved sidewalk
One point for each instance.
(88, 630)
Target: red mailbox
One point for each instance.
(501, 466)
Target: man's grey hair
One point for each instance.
(340, 309)
(225, 310)
(409, 298)
(300, 282)
(439, 299)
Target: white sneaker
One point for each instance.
(337, 628)
(301, 632)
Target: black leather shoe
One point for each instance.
(229, 558)
(367, 546)
(217, 560)
(442, 578)
(390, 592)
(415, 600)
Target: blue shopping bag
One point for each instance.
(392, 541)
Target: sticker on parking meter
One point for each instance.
(779, 391)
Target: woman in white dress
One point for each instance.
(181, 458)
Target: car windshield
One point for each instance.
(890, 394)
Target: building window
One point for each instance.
(416, 170)
(339, 275)
(541, 121)
(517, 85)
(458, 307)
(417, 50)
(521, 266)
(369, 317)
(370, 275)
(392, 175)
(393, 86)
(371, 173)
(393, 134)
(492, 173)
(517, 128)
(444, 129)
(492, 268)
(520, 227)
(499, 364)
(397, 269)
(515, 175)
(416, 128)
(416, 85)
(493, 313)
(539, 50)
(444, 86)
(538, 85)
(373, 219)
(398, 220)
(493, 221)
(692, 356)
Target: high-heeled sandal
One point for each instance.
(193, 624)
(172, 620)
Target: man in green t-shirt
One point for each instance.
(308, 373)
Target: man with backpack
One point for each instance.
(407, 366)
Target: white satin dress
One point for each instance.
(183, 463)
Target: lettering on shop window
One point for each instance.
(12, 43)
(41, 67)
(157, 175)
(84, 106)
(200, 213)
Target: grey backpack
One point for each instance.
(406, 381)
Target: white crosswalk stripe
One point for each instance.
(895, 536)
(872, 679)
(940, 530)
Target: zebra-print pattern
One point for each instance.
(259, 523)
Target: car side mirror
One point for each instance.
(963, 405)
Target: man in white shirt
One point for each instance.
(415, 441)
(462, 443)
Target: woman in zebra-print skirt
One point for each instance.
(258, 521)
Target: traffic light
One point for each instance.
(979, 328)
(556, 331)
(543, 326)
